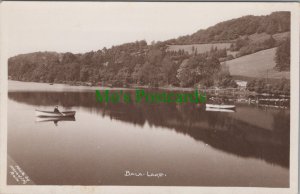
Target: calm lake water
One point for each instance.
(186, 144)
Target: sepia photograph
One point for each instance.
(178, 95)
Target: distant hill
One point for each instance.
(257, 65)
(277, 22)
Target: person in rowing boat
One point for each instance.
(56, 109)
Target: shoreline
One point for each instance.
(68, 87)
(30, 86)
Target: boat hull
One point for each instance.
(40, 113)
(220, 106)
(219, 110)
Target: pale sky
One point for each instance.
(85, 26)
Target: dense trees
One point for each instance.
(136, 63)
(199, 69)
(224, 80)
(282, 57)
(244, 46)
(131, 63)
(267, 86)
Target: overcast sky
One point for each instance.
(81, 27)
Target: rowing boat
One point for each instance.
(220, 106)
(40, 113)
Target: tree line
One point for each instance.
(134, 63)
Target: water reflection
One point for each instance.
(55, 120)
(250, 132)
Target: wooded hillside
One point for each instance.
(139, 63)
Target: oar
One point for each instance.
(62, 114)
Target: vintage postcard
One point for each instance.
(149, 97)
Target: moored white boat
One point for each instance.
(219, 109)
(40, 113)
(220, 106)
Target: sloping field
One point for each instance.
(201, 48)
(281, 36)
(257, 65)
(255, 38)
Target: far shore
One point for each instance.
(14, 85)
